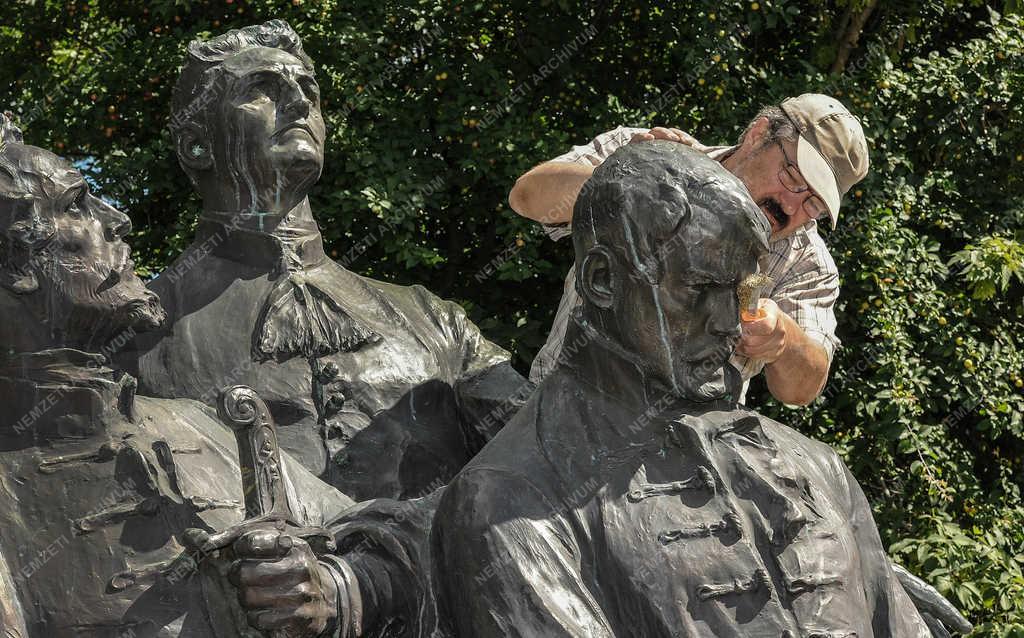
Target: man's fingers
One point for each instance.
(767, 348)
(263, 544)
(641, 137)
(758, 327)
(662, 133)
(685, 138)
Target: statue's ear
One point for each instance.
(193, 146)
(16, 273)
(20, 281)
(595, 279)
(23, 240)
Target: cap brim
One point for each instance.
(819, 176)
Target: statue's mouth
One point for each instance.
(124, 272)
(300, 126)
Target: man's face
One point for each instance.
(758, 168)
(88, 289)
(270, 132)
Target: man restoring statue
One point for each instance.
(99, 485)
(382, 390)
(632, 495)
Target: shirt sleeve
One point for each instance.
(508, 563)
(808, 294)
(592, 154)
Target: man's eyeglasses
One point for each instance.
(794, 182)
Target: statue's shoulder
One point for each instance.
(511, 475)
(808, 452)
(414, 296)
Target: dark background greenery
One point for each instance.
(925, 400)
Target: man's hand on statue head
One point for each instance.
(281, 585)
(670, 134)
(764, 339)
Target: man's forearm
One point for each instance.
(799, 374)
(548, 191)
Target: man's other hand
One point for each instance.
(282, 586)
(670, 134)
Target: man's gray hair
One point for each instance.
(200, 75)
(780, 127)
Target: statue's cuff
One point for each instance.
(349, 623)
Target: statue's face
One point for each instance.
(87, 289)
(687, 325)
(269, 132)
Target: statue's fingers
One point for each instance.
(935, 627)
(268, 598)
(263, 543)
(259, 573)
(270, 620)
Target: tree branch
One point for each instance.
(851, 33)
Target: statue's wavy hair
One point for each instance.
(639, 200)
(198, 84)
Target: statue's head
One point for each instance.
(246, 120)
(663, 236)
(66, 275)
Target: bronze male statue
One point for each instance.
(380, 389)
(631, 495)
(99, 484)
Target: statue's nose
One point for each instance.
(723, 313)
(116, 224)
(296, 104)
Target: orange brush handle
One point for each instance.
(746, 316)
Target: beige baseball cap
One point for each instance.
(831, 151)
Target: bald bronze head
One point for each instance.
(663, 235)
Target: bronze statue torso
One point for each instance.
(404, 409)
(97, 489)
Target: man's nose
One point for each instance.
(723, 312)
(792, 202)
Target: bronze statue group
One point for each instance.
(262, 442)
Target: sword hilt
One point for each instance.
(262, 473)
(259, 455)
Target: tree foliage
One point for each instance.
(435, 108)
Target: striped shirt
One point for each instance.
(805, 278)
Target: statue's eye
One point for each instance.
(311, 90)
(76, 208)
(265, 86)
